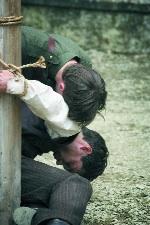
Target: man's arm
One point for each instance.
(43, 101)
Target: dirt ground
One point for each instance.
(122, 194)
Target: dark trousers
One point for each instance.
(56, 193)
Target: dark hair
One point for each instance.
(61, 142)
(84, 93)
(95, 163)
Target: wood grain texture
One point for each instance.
(10, 128)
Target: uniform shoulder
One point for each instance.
(70, 49)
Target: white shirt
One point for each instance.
(47, 104)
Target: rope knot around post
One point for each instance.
(10, 20)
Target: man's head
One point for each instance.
(84, 91)
(86, 154)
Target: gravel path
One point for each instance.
(122, 194)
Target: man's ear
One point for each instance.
(87, 149)
(61, 86)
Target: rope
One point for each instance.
(17, 70)
(40, 63)
(10, 20)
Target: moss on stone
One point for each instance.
(115, 32)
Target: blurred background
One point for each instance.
(116, 35)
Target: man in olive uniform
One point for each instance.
(57, 194)
(84, 83)
(69, 71)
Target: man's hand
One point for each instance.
(5, 76)
(12, 84)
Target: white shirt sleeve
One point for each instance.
(50, 106)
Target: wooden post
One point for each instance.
(10, 129)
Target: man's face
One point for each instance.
(71, 155)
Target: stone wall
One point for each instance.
(109, 31)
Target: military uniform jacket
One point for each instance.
(56, 50)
